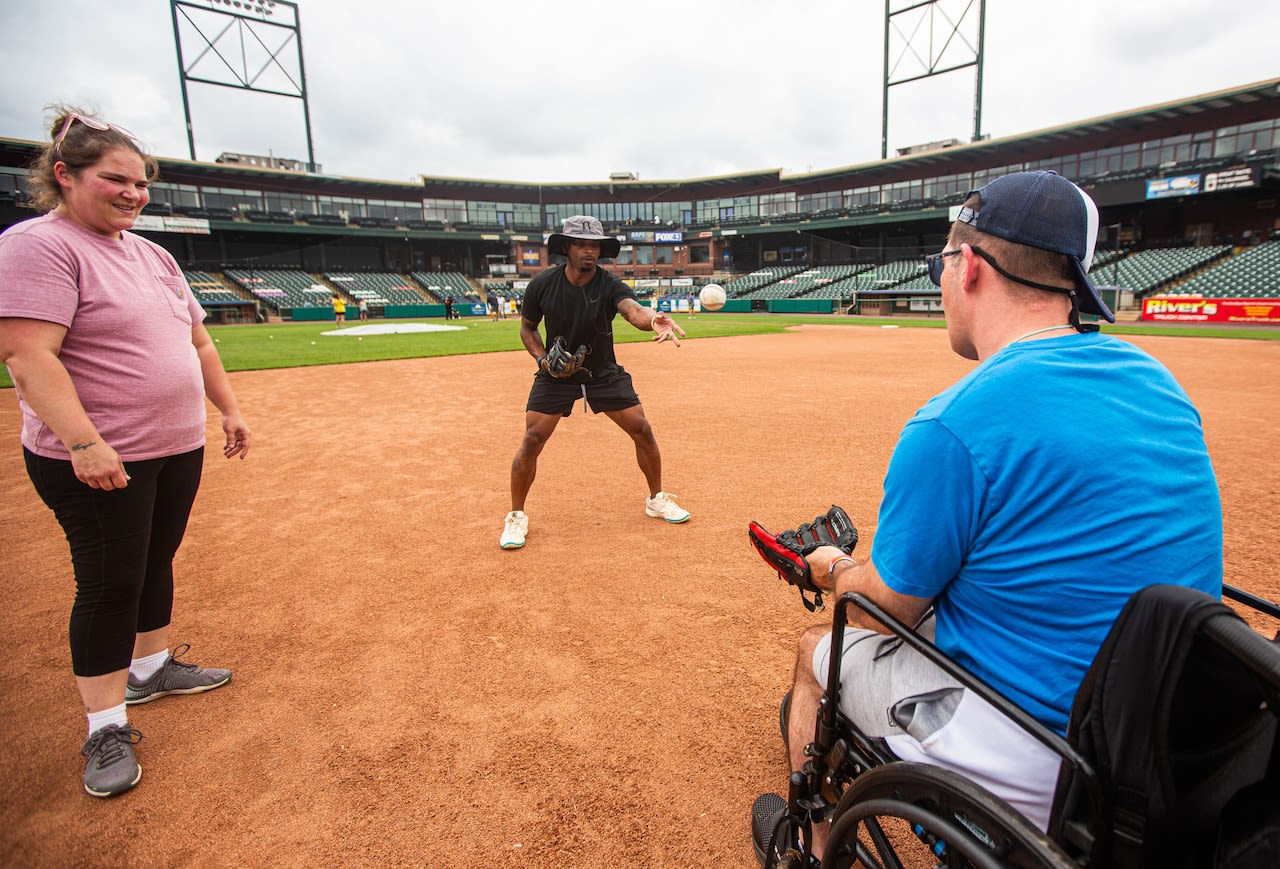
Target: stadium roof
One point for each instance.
(705, 186)
(1237, 105)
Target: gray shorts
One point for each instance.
(888, 688)
(895, 695)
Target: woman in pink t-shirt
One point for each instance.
(112, 363)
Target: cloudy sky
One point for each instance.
(541, 91)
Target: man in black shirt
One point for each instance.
(579, 300)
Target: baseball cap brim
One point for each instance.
(559, 242)
(1090, 299)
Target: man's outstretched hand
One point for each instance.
(664, 327)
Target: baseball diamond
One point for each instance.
(413, 684)
(403, 687)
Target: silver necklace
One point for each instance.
(1035, 332)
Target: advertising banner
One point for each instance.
(1235, 178)
(1174, 310)
(1182, 185)
(187, 225)
(148, 223)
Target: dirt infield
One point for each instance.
(406, 693)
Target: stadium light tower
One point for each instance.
(935, 37)
(250, 45)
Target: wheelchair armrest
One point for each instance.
(1261, 604)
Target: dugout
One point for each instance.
(220, 312)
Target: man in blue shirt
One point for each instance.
(1025, 504)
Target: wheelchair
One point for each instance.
(1171, 759)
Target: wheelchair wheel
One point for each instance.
(912, 814)
(784, 713)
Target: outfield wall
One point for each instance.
(383, 312)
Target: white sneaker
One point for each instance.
(514, 528)
(663, 506)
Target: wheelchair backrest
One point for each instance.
(1178, 715)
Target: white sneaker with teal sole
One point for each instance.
(514, 529)
(663, 506)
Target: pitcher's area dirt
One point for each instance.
(406, 693)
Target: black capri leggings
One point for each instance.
(122, 547)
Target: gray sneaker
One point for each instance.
(175, 677)
(111, 769)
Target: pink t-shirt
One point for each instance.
(128, 312)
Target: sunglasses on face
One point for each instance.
(91, 123)
(933, 262)
(935, 265)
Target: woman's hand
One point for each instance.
(98, 466)
(238, 436)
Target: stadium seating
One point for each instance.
(1106, 257)
(255, 216)
(829, 282)
(373, 222)
(323, 219)
(441, 284)
(749, 286)
(907, 274)
(507, 291)
(1251, 274)
(283, 288)
(209, 289)
(1152, 270)
(377, 288)
(822, 282)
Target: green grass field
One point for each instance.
(293, 345)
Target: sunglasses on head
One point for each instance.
(91, 123)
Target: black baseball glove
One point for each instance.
(786, 552)
(560, 363)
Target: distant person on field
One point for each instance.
(104, 341)
(364, 309)
(339, 310)
(579, 301)
(448, 307)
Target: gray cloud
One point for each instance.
(541, 92)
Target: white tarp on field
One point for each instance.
(393, 329)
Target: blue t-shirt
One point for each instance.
(1035, 495)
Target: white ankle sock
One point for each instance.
(142, 669)
(103, 717)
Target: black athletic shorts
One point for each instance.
(611, 392)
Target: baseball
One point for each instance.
(712, 297)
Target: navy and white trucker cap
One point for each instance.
(1044, 210)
